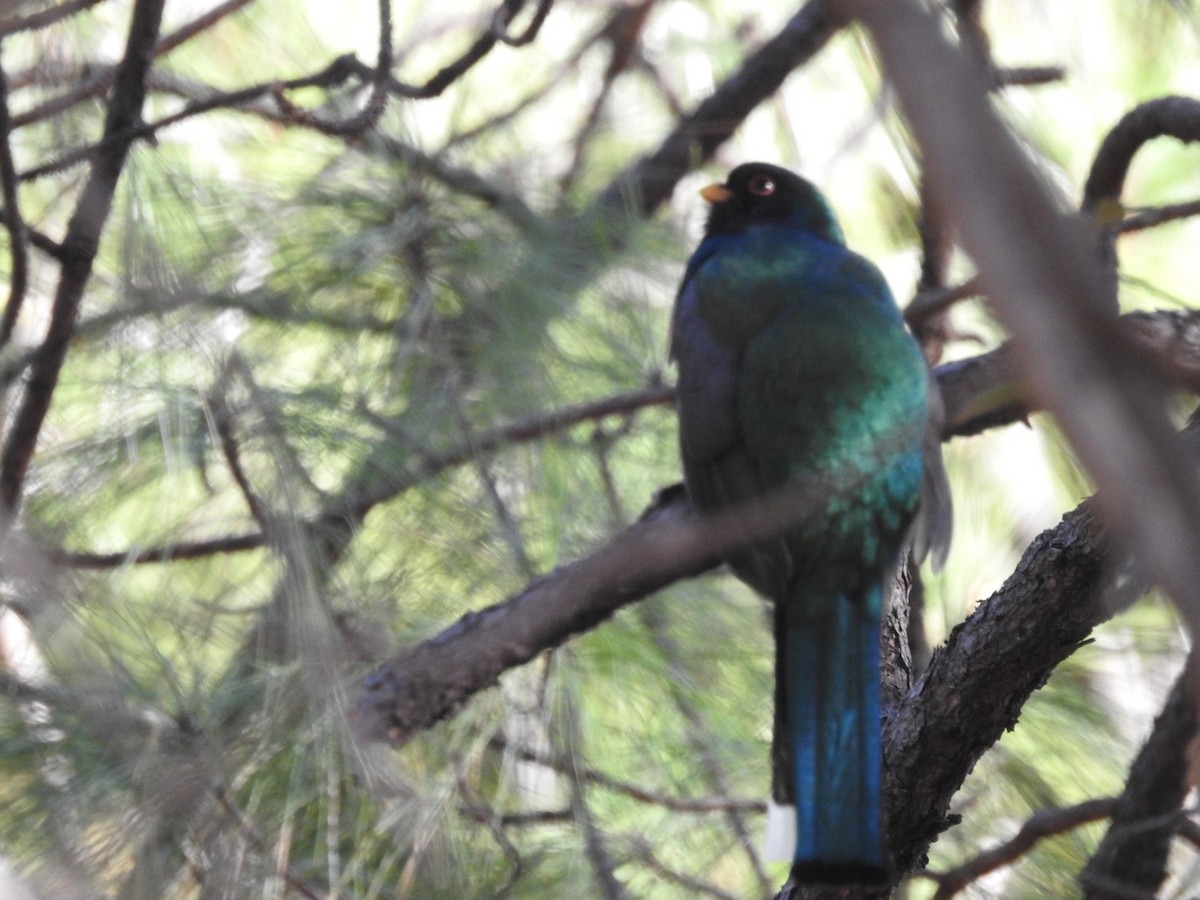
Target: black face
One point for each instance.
(762, 193)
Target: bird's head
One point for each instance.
(762, 194)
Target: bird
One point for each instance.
(800, 390)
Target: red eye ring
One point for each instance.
(761, 185)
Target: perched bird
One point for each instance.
(798, 382)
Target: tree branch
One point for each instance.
(17, 238)
(650, 181)
(1040, 270)
(46, 17)
(1146, 817)
(1042, 824)
(1177, 117)
(79, 249)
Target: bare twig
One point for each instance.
(1177, 117)
(376, 103)
(222, 422)
(1026, 76)
(1149, 218)
(486, 815)
(41, 241)
(496, 33)
(623, 32)
(937, 300)
(46, 17)
(337, 72)
(500, 26)
(198, 25)
(647, 183)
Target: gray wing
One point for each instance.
(718, 472)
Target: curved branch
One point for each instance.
(1177, 117)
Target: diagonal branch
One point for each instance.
(94, 85)
(17, 236)
(649, 182)
(1041, 271)
(79, 250)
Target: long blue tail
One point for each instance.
(830, 712)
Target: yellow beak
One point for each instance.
(715, 193)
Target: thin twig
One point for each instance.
(337, 72)
(430, 464)
(937, 300)
(623, 32)
(643, 186)
(486, 815)
(1042, 824)
(251, 833)
(500, 27)
(449, 74)
(641, 850)
(1027, 76)
(222, 420)
(1149, 218)
(607, 782)
(376, 103)
(198, 25)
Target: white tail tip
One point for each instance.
(780, 842)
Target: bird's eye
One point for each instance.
(761, 186)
